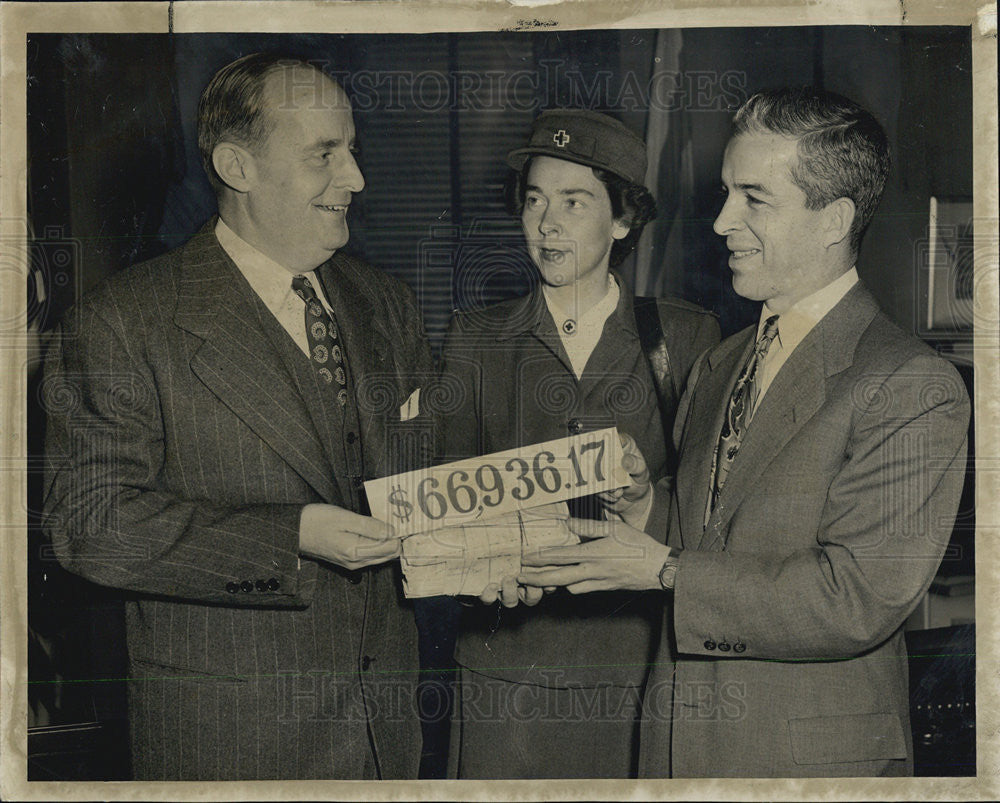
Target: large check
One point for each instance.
(489, 486)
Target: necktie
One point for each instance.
(324, 345)
(740, 408)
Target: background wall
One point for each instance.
(116, 170)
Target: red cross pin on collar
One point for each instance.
(561, 138)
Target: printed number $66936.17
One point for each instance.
(487, 487)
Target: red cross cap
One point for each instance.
(588, 138)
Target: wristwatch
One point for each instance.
(669, 569)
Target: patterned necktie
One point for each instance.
(740, 408)
(324, 346)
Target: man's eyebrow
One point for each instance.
(747, 186)
(326, 144)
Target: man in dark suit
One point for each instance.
(822, 454)
(212, 417)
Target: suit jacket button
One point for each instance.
(351, 437)
(273, 584)
(724, 646)
(246, 585)
(739, 646)
(232, 588)
(574, 426)
(709, 644)
(366, 662)
(261, 585)
(354, 577)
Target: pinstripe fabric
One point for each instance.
(182, 446)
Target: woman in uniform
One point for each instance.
(553, 690)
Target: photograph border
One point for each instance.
(18, 19)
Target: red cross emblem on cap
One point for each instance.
(561, 138)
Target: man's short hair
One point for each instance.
(843, 151)
(232, 106)
(630, 202)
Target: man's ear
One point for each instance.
(839, 216)
(233, 164)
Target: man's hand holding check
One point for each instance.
(614, 554)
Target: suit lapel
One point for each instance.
(618, 336)
(532, 316)
(238, 363)
(795, 395)
(368, 348)
(701, 436)
(325, 412)
(360, 326)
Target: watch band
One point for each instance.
(668, 571)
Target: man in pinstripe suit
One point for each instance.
(207, 447)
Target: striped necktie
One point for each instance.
(740, 408)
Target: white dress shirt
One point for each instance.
(793, 326)
(272, 283)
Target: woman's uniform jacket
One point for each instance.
(514, 386)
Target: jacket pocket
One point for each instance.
(851, 737)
